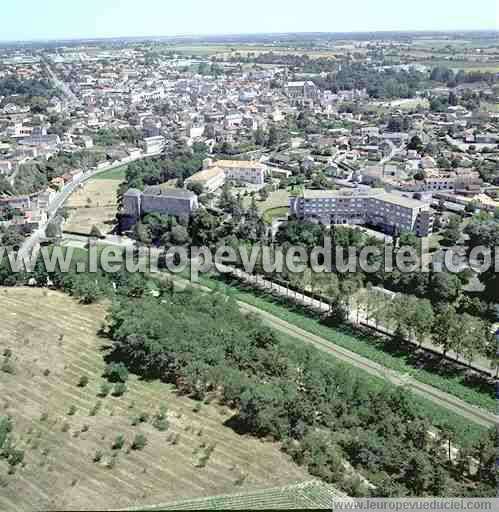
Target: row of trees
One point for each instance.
(324, 414)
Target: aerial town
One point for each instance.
(249, 389)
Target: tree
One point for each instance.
(53, 230)
(444, 328)
(415, 143)
(452, 234)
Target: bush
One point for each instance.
(8, 367)
(119, 389)
(118, 442)
(160, 424)
(97, 456)
(116, 372)
(105, 389)
(83, 381)
(140, 442)
(72, 410)
(14, 456)
(95, 409)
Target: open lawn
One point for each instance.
(276, 205)
(54, 343)
(114, 174)
(93, 204)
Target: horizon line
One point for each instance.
(242, 34)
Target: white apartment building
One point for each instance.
(241, 171)
(389, 212)
(154, 144)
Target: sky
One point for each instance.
(73, 19)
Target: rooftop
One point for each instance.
(239, 163)
(166, 191)
(206, 175)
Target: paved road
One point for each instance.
(356, 316)
(72, 98)
(63, 195)
(436, 396)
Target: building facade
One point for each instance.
(159, 199)
(389, 212)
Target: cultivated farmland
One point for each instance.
(67, 431)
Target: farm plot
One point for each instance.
(95, 204)
(307, 495)
(67, 430)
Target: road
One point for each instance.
(63, 195)
(436, 396)
(71, 97)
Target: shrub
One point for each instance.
(116, 372)
(83, 381)
(8, 367)
(15, 456)
(72, 410)
(97, 456)
(65, 427)
(105, 389)
(119, 389)
(118, 442)
(140, 442)
(95, 409)
(160, 424)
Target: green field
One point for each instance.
(275, 213)
(114, 174)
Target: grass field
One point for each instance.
(113, 174)
(276, 205)
(94, 204)
(47, 330)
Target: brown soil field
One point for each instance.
(94, 204)
(54, 342)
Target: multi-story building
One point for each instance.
(301, 90)
(241, 171)
(211, 179)
(215, 174)
(389, 212)
(159, 199)
(154, 144)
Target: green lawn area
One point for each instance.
(364, 344)
(275, 213)
(113, 174)
(276, 199)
